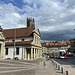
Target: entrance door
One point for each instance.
(0, 51)
(28, 53)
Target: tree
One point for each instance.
(69, 50)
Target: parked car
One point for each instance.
(16, 58)
(70, 55)
(8, 58)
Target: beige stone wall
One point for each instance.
(2, 44)
(44, 49)
(32, 53)
(37, 43)
(36, 39)
(2, 49)
(36, 48)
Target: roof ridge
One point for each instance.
(20, 32)
(19, 28)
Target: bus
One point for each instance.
(59, 54)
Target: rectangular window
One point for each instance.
(17, 51)
(6, 51)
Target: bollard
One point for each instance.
(61, 69)
(44, 63)
(54, 63)
(66, 72)
(58, 67)
(41, 60)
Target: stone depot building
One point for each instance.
(23, 43)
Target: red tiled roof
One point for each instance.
(43, 44)
(51, 44)
(56, 43)
(18, 32)
(18, 43)
(47, 44)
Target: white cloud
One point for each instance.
(16, 15)
(9, 15)
(50, 15)
(27, 1)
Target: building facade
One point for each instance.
(53, 46)
(2, 44)
(23, 43)
(72, 48)
(44, 48)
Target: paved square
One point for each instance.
(18, 67)
(33, 67)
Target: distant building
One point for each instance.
(23, 43)
(72, 45)
(44, 48)
(51, 46)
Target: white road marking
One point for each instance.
(17, 68)
(17, 64)
(27, 63)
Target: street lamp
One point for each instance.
(73, 43)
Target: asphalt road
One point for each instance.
(68, 61)
(18, 67)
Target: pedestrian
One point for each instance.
(48, 57)
(44, 63)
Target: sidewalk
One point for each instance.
(47, 68)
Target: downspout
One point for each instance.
(22, 53)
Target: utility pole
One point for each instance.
(14, 43)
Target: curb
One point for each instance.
(62, 68)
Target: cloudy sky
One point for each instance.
(54, 18)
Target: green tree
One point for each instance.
(69, 50)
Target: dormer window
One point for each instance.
(22, 39)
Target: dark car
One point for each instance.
(16, 58)
(8, 58)
(70, 55)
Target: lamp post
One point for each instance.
(14, 44)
